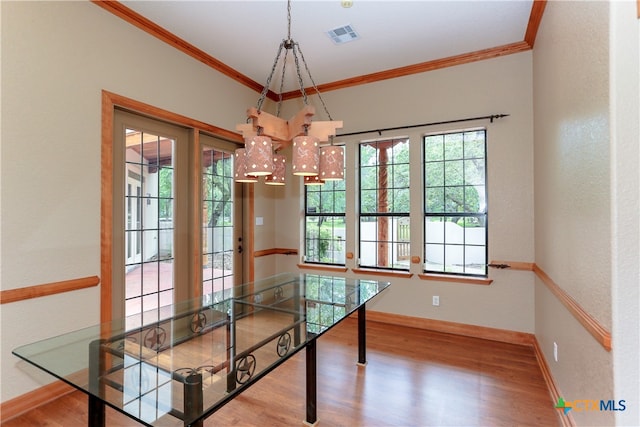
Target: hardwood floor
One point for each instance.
(413, 378)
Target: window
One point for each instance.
(455, 203)
(384, 204)
(324, 223)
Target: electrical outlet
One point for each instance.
(555, 351)
(436, 300)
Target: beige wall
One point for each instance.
(625, 278)
(572, 195)
(501, 85)
(571, 82)
(585, 81)
(57, 57)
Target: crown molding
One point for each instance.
(155, 30)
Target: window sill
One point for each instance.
(457, 279)
(376, 272)
(336, 268)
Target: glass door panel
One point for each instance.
(149, 226)
(221, 230)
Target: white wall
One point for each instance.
(501, 85)
(57, 57)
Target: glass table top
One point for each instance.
(206, 351)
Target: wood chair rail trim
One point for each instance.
(469, 280)
(275, 251)
(29, 292)
(388, 273)
(516, 265)
(599, 332)
(320, 267)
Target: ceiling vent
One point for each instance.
(343, 34)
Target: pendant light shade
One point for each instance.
(261, 127)
(331, 163)
(279, 169)
(313, 180)
(240, 167)
(306, 155)
(259, 155)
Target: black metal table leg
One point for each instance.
(362, 335)
(193, 399)
(231, 349)
(297, 336)
(312, 417)
(96, 368)
(96, 412)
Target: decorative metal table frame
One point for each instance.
(181, 369)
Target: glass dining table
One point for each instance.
(180, 369)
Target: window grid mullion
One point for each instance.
(465, 213)
(371, 240)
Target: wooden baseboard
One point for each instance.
(502, 335)
(493, 334)
(566, 420)
(26, 402)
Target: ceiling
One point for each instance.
(244, 35)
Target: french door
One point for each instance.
(221, 237)
(177, 232)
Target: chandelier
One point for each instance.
(314, 157)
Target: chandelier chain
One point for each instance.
(265, 89)
(326, 110)
(284, 66)
(289, 20)
(296, 48)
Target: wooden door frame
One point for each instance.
(109, 103)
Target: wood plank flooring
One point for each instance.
(413, 378)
